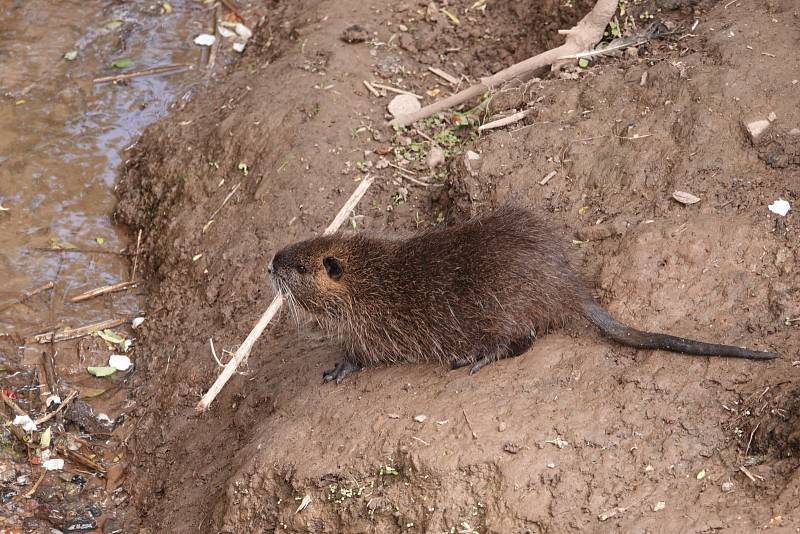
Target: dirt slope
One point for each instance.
(578, 434)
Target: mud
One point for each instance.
(576, 435)
(62, 140)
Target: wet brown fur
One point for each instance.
(464, 293)
(443, 294)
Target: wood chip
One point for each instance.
(685, 198)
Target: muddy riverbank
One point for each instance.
(578, 434)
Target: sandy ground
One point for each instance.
(579, 434)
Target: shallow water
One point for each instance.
(62, 141)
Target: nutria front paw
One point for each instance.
(342, 370)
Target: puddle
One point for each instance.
(62, 140)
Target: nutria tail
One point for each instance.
(648, 340)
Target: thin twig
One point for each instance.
(48, 416)
(214, 352)
(78, 250)
(74, 333)
(244, 349)
(469, 424)
(750, 441)
(112, 288)
(164, 69)
(212, 56)
(25, 296)
(445, 76)
(396, 90)
(35, 487)
(401, 169)
(505, 121)
(227, 198)
(749, 475)
(371, 89)
(136, 256)
(420, 182)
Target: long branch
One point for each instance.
(581, 37)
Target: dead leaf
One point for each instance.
(685, 198)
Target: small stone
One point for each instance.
(420, 418)
(394, 416)
(632, 52)
(404, 105)
(402, 27)
(435, 157)
(472, 161)
(756, 129)
(648, 468)
(406, 42)
(512, 448)
(551, 465)
(772, 117)
(660, 505)
(382, 163)
(502, 426)
(727, 487)
(355, 34)
(7, 473)
(794, 131)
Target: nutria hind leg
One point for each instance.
(516, 348)
(341, 370)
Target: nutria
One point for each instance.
(468, 294)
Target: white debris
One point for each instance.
(25, 422)
(243, 31)
(137, 322)
(772, 117)
(103, 418)
(660, 505)
(404, 105)
(420, 418)
(53, 464)
(435, 157)
(204, 39)
(225, 32)
(239, 47)
(757, 128)
(119, 362)
(53, 400)
(780, 207)
(305, 502)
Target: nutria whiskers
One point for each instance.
(468, 294)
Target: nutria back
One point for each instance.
(444, 294)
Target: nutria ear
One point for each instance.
(333, 267)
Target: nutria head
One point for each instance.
(318, 275)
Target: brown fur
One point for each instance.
(444, 294)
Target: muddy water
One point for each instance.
(62, 139)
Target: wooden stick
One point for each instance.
(505, 121)
(75, 333)
(11, 404)
(445, 76)
(77, 250)
(396, 90)
(244, 349)
(48, 416)
(164, 69)
(113, 288)
(212, 56)
(25, 296)
(35, 487)
(581, 37)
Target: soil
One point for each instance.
(578, 434)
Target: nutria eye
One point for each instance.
(301, 269)
(333, 267)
